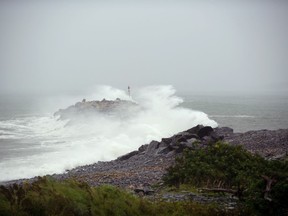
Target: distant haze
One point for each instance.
(197, 46)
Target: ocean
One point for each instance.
(243, 113)
(33, 142)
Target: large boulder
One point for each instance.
(204, 131)
(152, 148)
(128, 155)
(195, 129)
(143, 148)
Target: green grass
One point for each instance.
(49, 197)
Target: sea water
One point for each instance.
(242, 112)
(33, 142)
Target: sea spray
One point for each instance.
(47, 145)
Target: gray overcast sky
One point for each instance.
(200, 46)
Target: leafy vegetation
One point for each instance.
(50, 197)
(261, 185)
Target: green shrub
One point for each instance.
(232, 167)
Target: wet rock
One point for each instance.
(165, 150)
(143, 148)
(186, 135)
(192, 141)
(206, 140)
(163, 145)
(151, 149)
(166, 140)
(223, 131)
(215, 136)
(205, 131)
(171, 154)
(181, 139)
(179, 148)
(194, 130)
(128, 155)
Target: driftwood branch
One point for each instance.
(269, 182)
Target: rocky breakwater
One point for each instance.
(110, 107)
(146, 166)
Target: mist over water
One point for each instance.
(43, 144)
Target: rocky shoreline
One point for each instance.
(146, 166)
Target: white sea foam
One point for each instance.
(45, 145)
